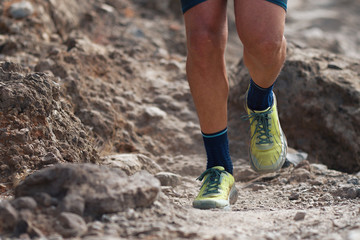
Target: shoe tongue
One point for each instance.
(219, 168)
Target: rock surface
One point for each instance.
(37, 127)
(100, 190)
(69, 195)
(131, 163)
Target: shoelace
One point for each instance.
(262, 126)
(212, 182)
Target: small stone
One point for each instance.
(107, 8)
(45, 199)
(70, 225)
(354, 181)
(50, 158)
(132, 163)
(155, 113)
(8, 215)
(73, 203)
(340, 223)
(21, 9)
(299, 216)
(168, 179)
(300, 175)
(294, 196)
(24, 203)
(174, 65)
(326, 197)
(162, 53)
(131, 214)
(95, 228)
(353, 193)
(316, 182)
(347, 191)
(317, 167)
(257, 187)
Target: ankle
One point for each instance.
(259, 98)
(217, 150)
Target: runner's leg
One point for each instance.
(260, 26)
(206, 31)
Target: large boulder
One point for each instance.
(97, 189)
(318, 97)
(65, 197)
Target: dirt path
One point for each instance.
(309, 202)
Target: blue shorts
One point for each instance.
(187, 4)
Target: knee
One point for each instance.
(206, 43)
(267, 49)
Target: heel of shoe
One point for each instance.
(234, 194)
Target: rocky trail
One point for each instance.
(99, 138)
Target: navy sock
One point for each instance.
(259, 98)
(217, 150)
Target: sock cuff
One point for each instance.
(260, 88)
(212, 135)
(259, 98)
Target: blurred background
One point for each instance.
(331, 25)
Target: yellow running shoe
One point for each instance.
(217, 191)
(268, 145)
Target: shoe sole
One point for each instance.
(221, 204)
